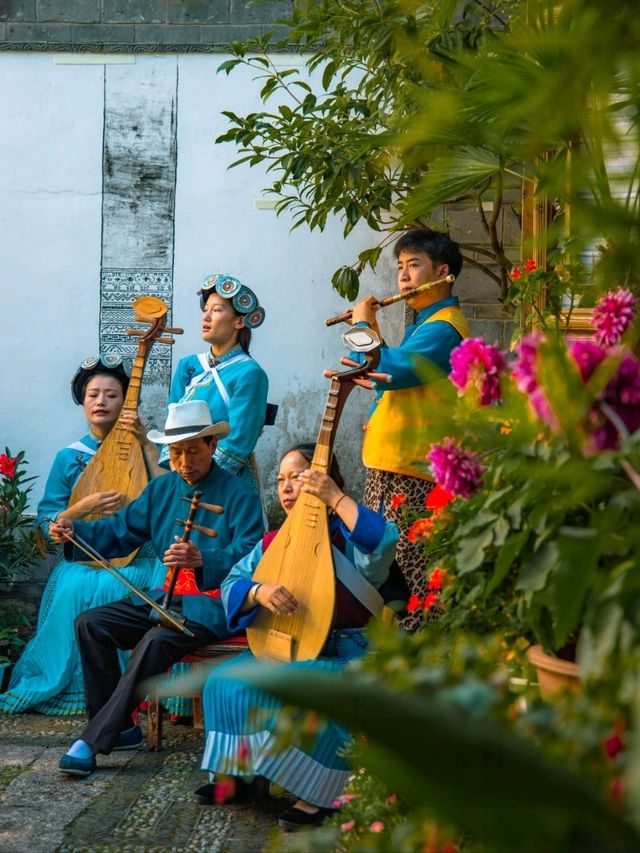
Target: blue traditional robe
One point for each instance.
(48, 676)
(152, 518)
(240, 720)
(235, 388)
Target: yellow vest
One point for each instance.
(394, 438)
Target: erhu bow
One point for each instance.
(119, 461)
(300, 557)
(163, 615)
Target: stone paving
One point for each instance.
(136, 801)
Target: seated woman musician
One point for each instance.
(239, 719)
(48, 676)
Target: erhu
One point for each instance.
(119, 461)
(390, 300)
(189, 525)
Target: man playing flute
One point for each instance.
(394, 448)
(204, 563)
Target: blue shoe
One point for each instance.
(129, 739)
(77, 766)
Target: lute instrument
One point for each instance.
(300, 557)
(119, 463)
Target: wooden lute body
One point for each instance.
(300, 556)
(119, 463)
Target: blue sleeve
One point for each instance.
(246, 411)
(180, 380)
(371, 545)
(244, 531)
(235, 588)
(431, 341)
(57, 491)
(116, 535)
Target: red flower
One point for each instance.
(515, 273)
(436, 579)
(430, 600)
(8, 465)
(617, 789)
(414, 603)
(438, 498)
(420, 529)
(612, 746)
(397, 501)
(530, 265)
(223, 789)
(243, 752)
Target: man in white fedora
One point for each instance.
(204, 563)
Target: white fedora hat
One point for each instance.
(186, 421)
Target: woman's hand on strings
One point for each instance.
(276, 598)
(322, 486)
(183, 554)
(98, 503)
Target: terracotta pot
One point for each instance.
(554, 674)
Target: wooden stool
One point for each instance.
(216, 652)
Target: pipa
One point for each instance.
(300, 557)
(119, 461)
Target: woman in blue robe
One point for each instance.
(48, 676)
(240, 720)
(226, 377)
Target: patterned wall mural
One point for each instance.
(139, 178)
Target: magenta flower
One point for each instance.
(587, 355)
(524, 371)
(612, 316)
(618, 409)
(458, 471)
(475, 364)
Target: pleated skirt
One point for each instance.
(241, 722)
(48, 676)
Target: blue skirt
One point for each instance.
(48, 676)
(241, 721)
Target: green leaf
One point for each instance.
(472, 553)
(472, 773)
(535, 572)
(506, 557)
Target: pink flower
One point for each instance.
(477, 365)
(392, 799)
(377, 826)
(458, 471)
(612, 316)
(588, 356)
(620, 399)
(524, 372)
(346, 827)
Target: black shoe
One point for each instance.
(244, 793)
(129, 739)
(294, 819)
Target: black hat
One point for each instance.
(95, 365)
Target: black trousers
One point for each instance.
(111, 697)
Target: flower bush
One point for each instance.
(542, 538)
(19, 544)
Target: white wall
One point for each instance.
(51, 124)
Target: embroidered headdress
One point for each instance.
(242, 297)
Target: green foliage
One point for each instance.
(18, 540)
(446, 731)
(330, 138)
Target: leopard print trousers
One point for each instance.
(379, 490)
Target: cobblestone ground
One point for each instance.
(136, 801)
